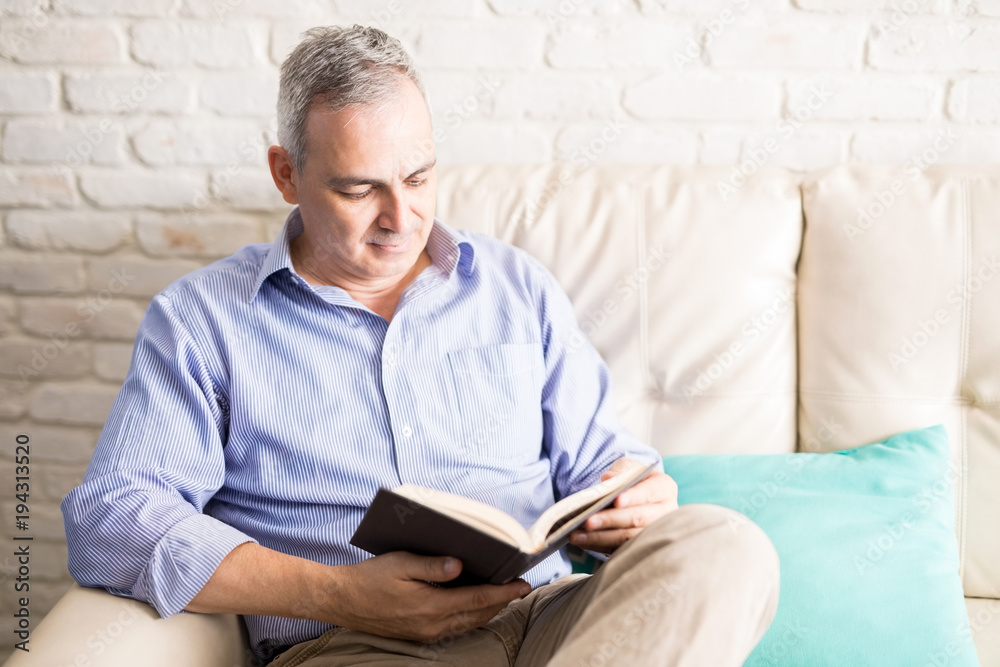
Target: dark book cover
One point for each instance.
(396, 523)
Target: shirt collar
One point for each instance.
(447, 250)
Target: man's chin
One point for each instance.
(382, 264)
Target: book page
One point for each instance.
(570, 506)
(481, 516)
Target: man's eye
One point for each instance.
(360, 195)
(418, 181)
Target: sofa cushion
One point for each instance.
(899, 309)
(869, 562)
(689, 296)
(984, 623)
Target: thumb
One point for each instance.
(432, 568)
(618, 467)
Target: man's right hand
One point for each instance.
(388, 595)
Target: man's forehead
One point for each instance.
(362, 125)
(375, 135)
(401, 112)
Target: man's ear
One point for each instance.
(283, 171)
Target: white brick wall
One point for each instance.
(133, 137)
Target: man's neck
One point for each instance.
(381, 296)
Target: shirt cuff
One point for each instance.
(184, 560)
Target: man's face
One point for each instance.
(367, 189)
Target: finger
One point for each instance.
(603, 540)
(475, 605)
(484, 596)
(617, 468)
(428, 568)
(628, 517)
(654, 488)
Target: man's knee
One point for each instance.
(740, 534)
(726, 537)
(707, 559)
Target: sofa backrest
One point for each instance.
(899, 326)
(762, 313)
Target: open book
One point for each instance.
(491, 544)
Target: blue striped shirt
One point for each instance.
(260, 408)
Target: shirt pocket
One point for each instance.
(499, 393)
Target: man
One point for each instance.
(271, 394)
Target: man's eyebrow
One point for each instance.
(348, 181)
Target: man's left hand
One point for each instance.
(636, 508)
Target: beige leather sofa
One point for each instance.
(817, 311)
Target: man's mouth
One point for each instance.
(394, 247)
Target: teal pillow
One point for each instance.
(869, 559)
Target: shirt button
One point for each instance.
(407, 431)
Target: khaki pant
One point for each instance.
(697, 587)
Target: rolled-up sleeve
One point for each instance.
(136, 526)
(582, 433)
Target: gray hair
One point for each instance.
(338, 67)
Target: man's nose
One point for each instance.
(395, 212)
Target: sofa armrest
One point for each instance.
(93, 628)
